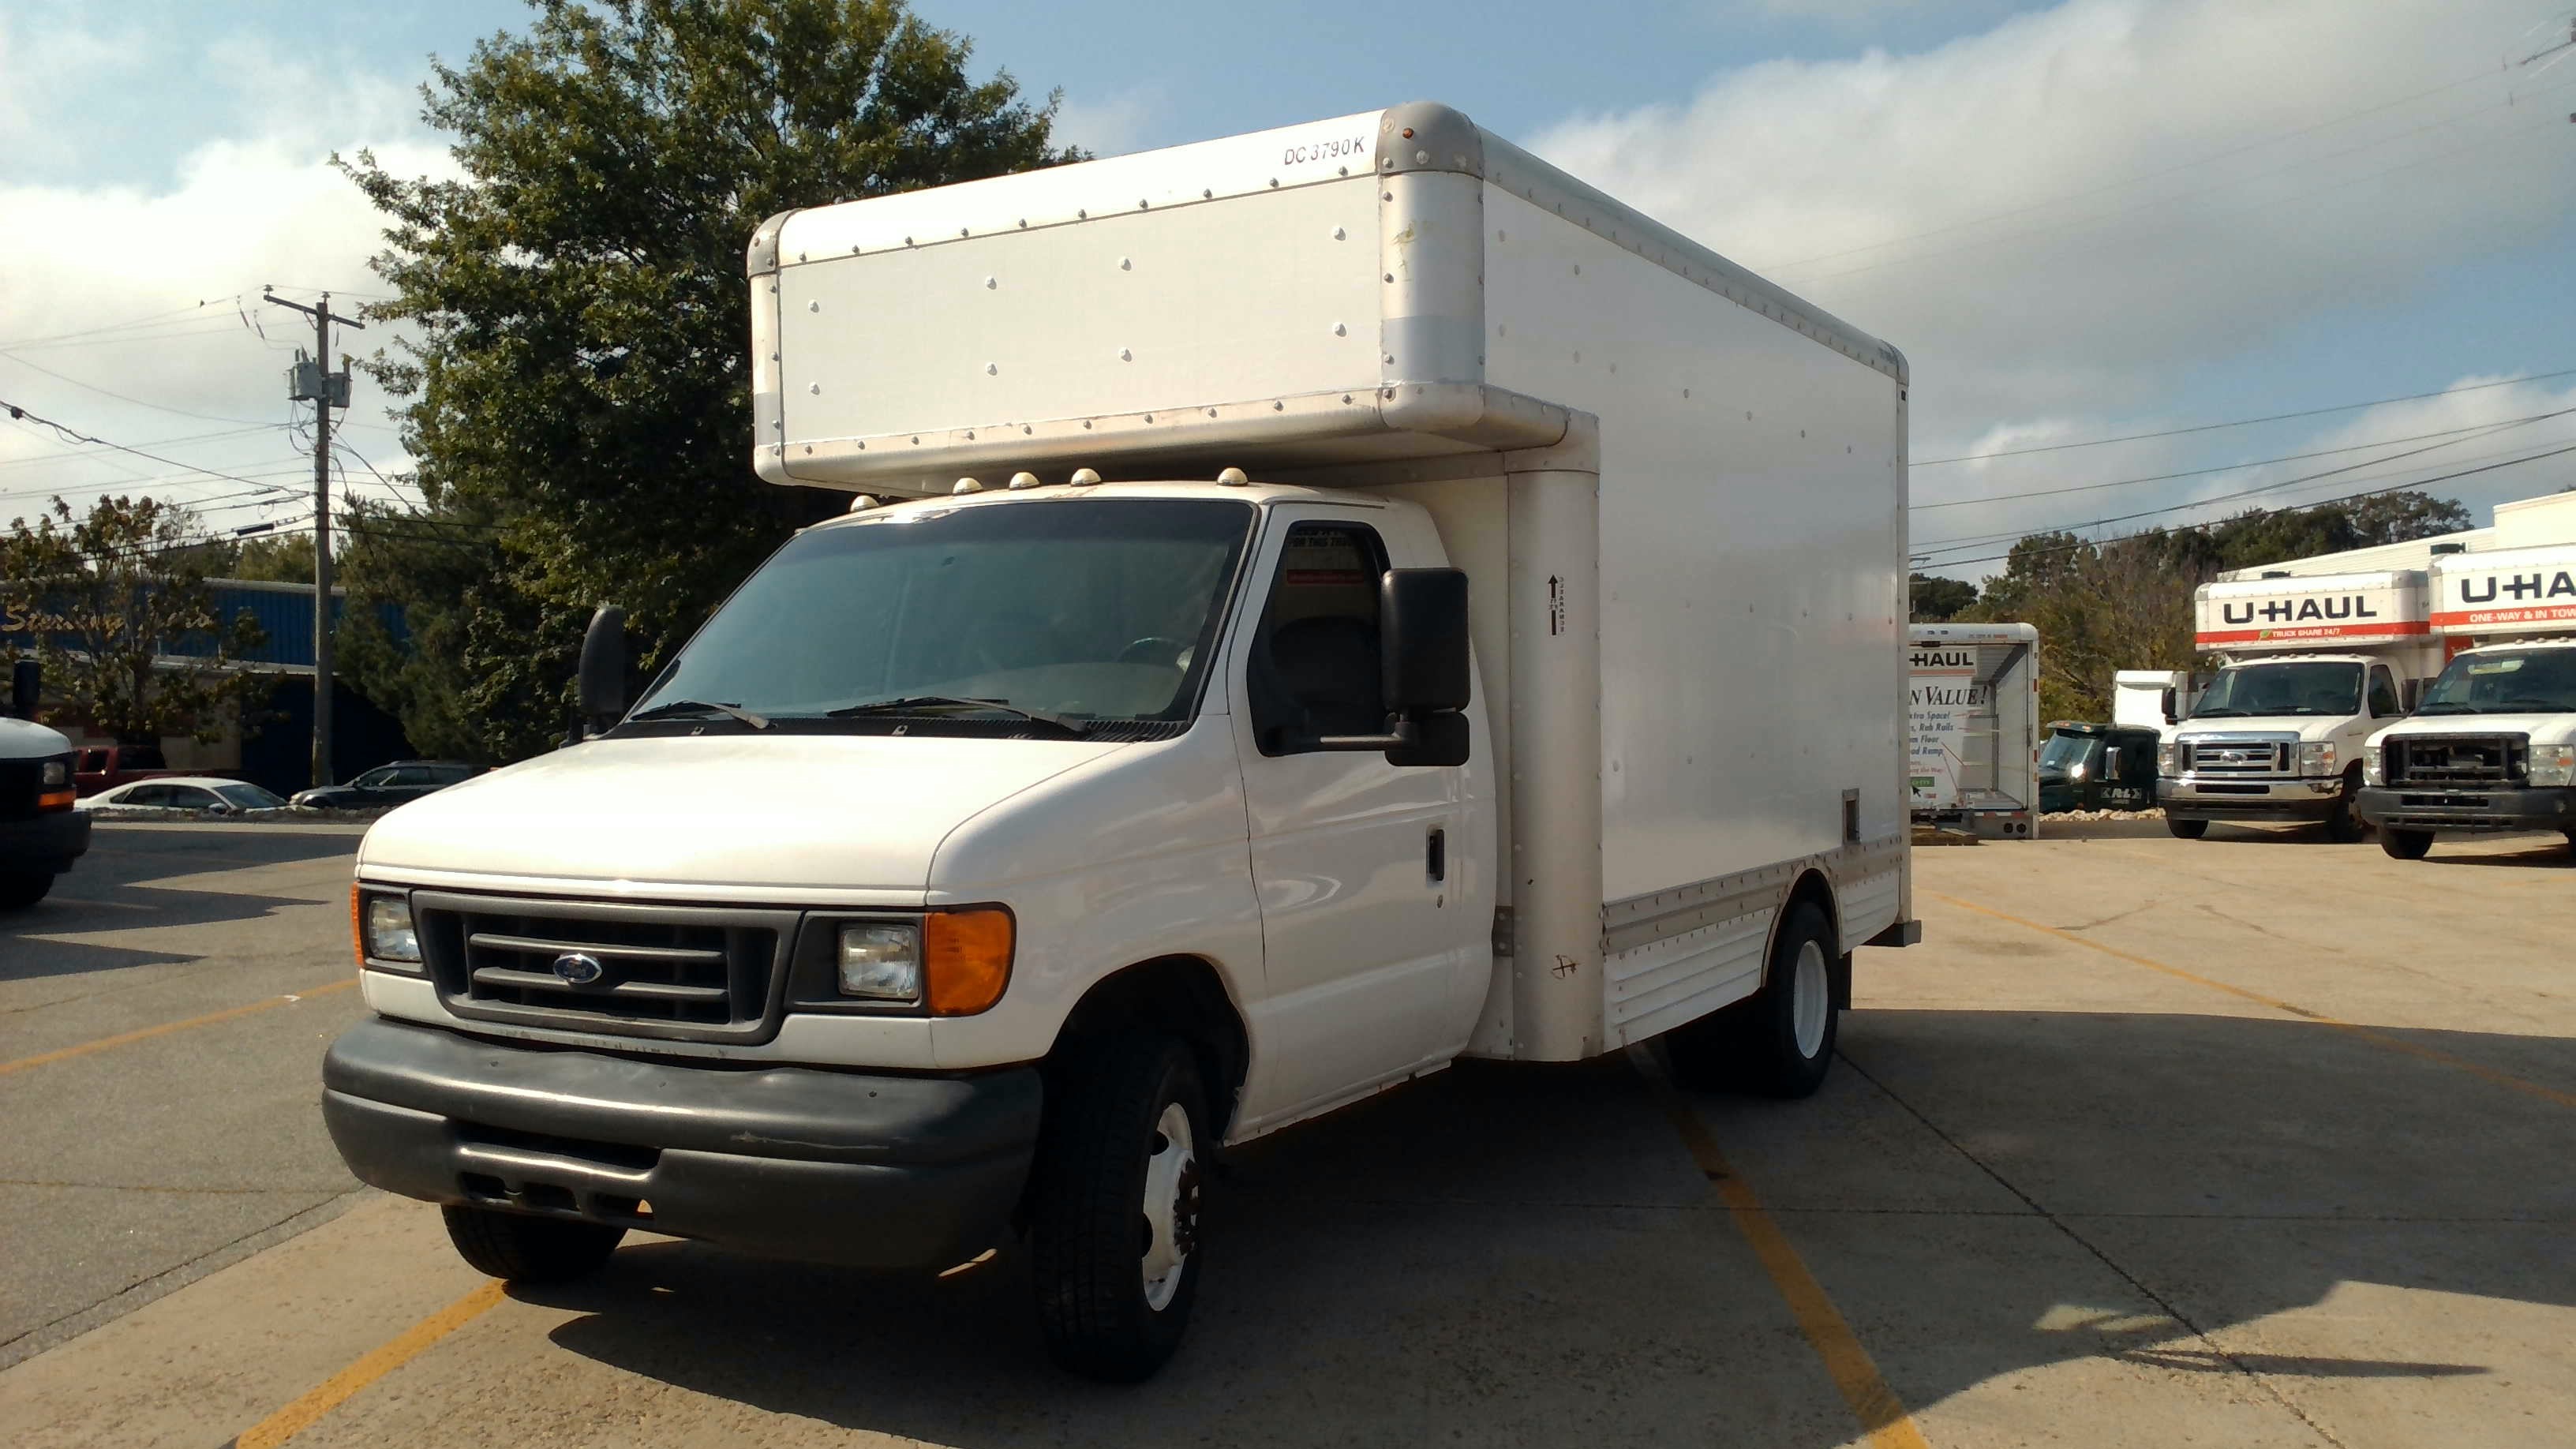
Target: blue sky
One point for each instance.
(2079, 219)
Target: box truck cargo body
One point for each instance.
(1973, 722)
(1315, 605)
(2492, 744)
(2313, 665)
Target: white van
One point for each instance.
(1361, 599)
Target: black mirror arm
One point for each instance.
(1401, 734)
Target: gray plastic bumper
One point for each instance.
(2529, 808)
(46, 843)
(2186, 798)
(837, 1167)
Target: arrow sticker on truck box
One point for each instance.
(1555, 605)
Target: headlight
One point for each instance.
(881, 961)
(2374, 764)
(55, 774)
(54, 784)
(2553, 765)
(385, 929)
(2167, 754)
(2075, 771)
(2317, 757)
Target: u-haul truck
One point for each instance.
(1972, 728)
(2492, 745)
(2311, 667)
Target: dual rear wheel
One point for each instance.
(1780, 1042)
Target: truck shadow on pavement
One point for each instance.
(1530, 1255)
(114, 889)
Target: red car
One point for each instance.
(104, 767)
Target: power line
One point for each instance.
(120, 397)
(2243, 422)
(2320, 503)
(2284, 484)
(20, 414)
(148, 442)
(2220, 468)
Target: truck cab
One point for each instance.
(41, 834)
(2097, 767)
(2313, 666)
(2491, 748)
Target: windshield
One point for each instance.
(2519, 681)
(2063, 752)
(2283, 687)
(1081, 609)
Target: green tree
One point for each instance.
(116, 606)
(1936, 599)
(578, 383)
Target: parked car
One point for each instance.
(387, 785)
(208, 794)
(2097, 767)
(104, 767)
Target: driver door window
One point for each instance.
(2383, 693)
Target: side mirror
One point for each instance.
(2111, 763)
(1422, 623)
(1423, 669)
(602, 680)
(2169, 705)
(26, 681)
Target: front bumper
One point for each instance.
(868, 1170)
(47, 843)
(2504, 808)
(2192, 797)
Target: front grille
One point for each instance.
(19, 780)
(2458, 759)
(692, 973)
(2241, 757)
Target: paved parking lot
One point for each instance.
(2249, 1141)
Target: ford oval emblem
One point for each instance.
(579, 969)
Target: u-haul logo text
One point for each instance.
(2521, 588)
(2288, 611)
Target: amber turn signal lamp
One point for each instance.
(357, 925)
(967, 956)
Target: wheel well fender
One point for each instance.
(1184, 997)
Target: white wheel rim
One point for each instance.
(1810, 999)
(1171, 1206)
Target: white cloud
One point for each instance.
(1111, 126)
(2057, 217)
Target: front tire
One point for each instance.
(1114, 1207)
(2187, 829)
(17, 892)
(2406, 844)
(525, 1249)
(2344, 827)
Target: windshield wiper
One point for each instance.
(679, 707)
(2219, 713)
(918, 703)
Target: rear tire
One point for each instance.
(1114, 1235)
(17, 892)
(1780, 1043)
(525, 1249)
(2187, 829)
(2405, 844)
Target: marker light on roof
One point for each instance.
(967, 485)
(1023, 480)
(1084, 476)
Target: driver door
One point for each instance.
(1355, 861)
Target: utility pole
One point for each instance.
(314, 380)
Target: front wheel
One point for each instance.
(2343, 827)
(2405, 844)
(1114, 1209)
(17, 892)
(525, 1249)
(2187, 829)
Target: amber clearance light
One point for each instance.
(967, 956)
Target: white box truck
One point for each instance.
(2155, 700)
(1361, 598)
(1973, 733)
(40, 833)
(2312, 666)
(2491, 746)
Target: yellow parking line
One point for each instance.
(1846, 1362)
(301, 1415)
(2369, 1034)
(167, 1027)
